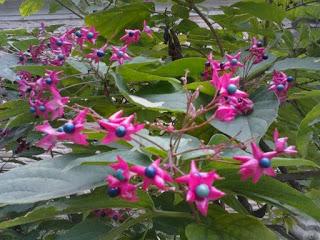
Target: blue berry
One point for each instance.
(231, 89)
(68, 127)
(60, 129)
(234, 62)
(21, 58)
(265, 162)
(42, 108)
(130, 34)
(61, 56)
(90, 35)
(32, 109)
(119, 175)
(265, 57)
(222, 65)
(280, 87)
(120, 54)
(18, 78)
(48, 80)
(121, 131)
(150, 172)
(202, 191)
(78, 34)
(259, 44)
(59, 43)
(113, 192)
(207, 64)
(290, 79)
(100, 53)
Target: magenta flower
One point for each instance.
(56, 105)
(233, 62)
(118, 183)
(131, 36)
(70, 131)
(280, 85)
(256, 165)
(225, 112)
(257, 51)
(62, 44)
(50, 79)
(200, 189)
(119, 128)
(58, 59)
(281, 144)
(147, 29)
(38, 108)
(89, 34)
(119, 54)
(153, 175)
(97, 54)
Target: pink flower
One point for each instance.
(89, 34)
(147, 29)
(131, 36)
(119, 128)
(257, 51)
(118, 183)
(281, 144)
(280, 85)
(38, 108)
(97, 54)
(50, 79)
(225, 112)
(243, 105)
(119, 54)
(59, 58)
(56, 105)
(70, 131)
(153, 175)
(233, 62)
(62, 44)
(256, 165)
(200, 189)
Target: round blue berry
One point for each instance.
(78, 34)
(61, 56)
(113, 192)
(119, 175)
(68, 127)
(264, 162)
(90, 35)
(100, 53)
(150, 172)
(18, 78)
(290, 79)
(121, 131)
(130, 34)
(48, 80)
(115, 217)
(21, 58)
(222, 65)
(232, 88)
(59, 43)
(234, 62)
(42, 108)
(207, 64)
(265, 57)
(202, 190)
(120, 54)
(259, 44)
(280, 87)
(32, 109)
(60, 129)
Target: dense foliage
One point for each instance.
(145, 125)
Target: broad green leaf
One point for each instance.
(46, 179)
(288, 162)
(29, 7)
(13, 108)
(305, 130)
(24, 45)
(270, 191)
(254, 125)
(88, 202)
(308, 63)
(204, 87)
(261, 10)
(112, 23)
(8, 61)
(180, 11)
(305, 94)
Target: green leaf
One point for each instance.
(96, 200)
(270, 191)
(305, 131)
(180, 11)
(29, 7)
(29, 183)
(204, 87)
(308, 63)
(288, 162)
(24, 45)
(261, 10)
(112, 23)
(13, 108)
(200, 232)
(254, 125)
(305, 94)
(7, 61)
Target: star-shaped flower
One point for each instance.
(131, 36)
(97, 53)
(147, 29)
(56, 105)
(281, 144)
(200, 189)
(119, 54)
(233, 62)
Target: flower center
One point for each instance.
(42, 108)
(222, 65)
(150, 172)
(265, 162)
(113, 192)
(259, 44)
(68, 128)
(78, 34)
(59, 43)
(280, 87)
(231, 88)
(61, 56)
(48, 81)
(120, 54)
(234, 62)
(100, 53)
(32, 109)
(90, 35)
(202, 191)
(290, 79)
(121, 131)
(207, 64)
(119, 175)
(130, 34)
(265, 56)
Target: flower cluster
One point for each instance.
(260, 162)
(280, 84)
(231, 101)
